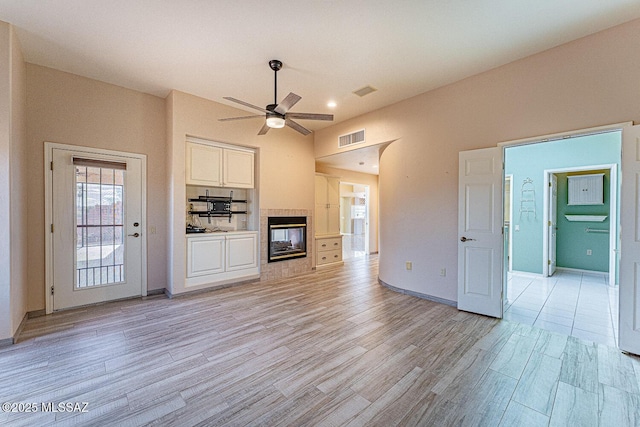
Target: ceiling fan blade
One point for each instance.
(287, 103)
(311, 116)
(227, 119)
(264, 129)
(297, 126)
(246, 104)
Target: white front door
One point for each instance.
(480, 238)
(97, 227)
(552, 224)
(629, 332)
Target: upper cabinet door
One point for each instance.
(333, 191)
(203, 165)
(238, 169)
(586, 189)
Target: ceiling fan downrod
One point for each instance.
(275, 66)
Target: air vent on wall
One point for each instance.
(352, 138)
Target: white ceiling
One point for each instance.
(330, 48)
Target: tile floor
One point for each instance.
(352, 246)
(580, 304)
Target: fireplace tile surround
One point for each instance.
(279, 270)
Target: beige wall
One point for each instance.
(13, 195)
(285, 164)
(366, 179)
(70, 109)
(589, 82)
(19, 190)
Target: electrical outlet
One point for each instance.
(443, 272)
(589, 252)
(152, 229)
(408, 265)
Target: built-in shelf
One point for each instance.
(586, 218)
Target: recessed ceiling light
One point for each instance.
(331, 104)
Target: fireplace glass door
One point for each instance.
(287, 238)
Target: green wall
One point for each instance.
(530, 161)
(572, 239)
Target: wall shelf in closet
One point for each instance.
(586, 218)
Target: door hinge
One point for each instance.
(548, 262)
(52, 228)
(51, 165)
(549, 183)
(549, 223)
(52, 290)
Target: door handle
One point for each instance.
(464, 239)
(134, 235)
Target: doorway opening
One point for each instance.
(354, 219)
(561, 258)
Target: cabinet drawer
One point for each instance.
(329, 244)
(329, 256)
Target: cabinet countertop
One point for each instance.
(220, 233)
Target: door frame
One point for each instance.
(613, 214)
(48, 211)
(509, 177)
(367, 206)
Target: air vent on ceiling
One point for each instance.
(352, 138)
(365, 91)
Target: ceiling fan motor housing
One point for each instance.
(272, 113)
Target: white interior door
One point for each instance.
(552, 224)
(629, 332)
(480, 241)
(97, 227)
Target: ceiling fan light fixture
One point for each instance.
(275, 122)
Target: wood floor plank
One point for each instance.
(616, 370)
(551, 344)
(387, 399)
(522, 416)
(574, 407)
(538, 383)
(514, 356)
(465, 374)
(487, 401)
(617, 407)
(580, 365)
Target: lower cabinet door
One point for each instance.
(205, 255)
(242, 252)
(327, 257)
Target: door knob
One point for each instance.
(464, 239)
(134, 235)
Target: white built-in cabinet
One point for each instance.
(205, 255)
(216, 166)
(327, 220)
(220, 258)
(586, 189)
(241, 251)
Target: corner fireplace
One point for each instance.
(287, 237)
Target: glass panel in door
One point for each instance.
(100, 243)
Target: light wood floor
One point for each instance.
(331, 347)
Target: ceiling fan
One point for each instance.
(277, 115)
